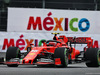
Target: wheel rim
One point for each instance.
(98, 57)
(18, 53)
(66, 58)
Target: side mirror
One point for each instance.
(69, 44)
(29, 48)
(31, 45)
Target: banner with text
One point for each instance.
(52, 20)
(23, 40)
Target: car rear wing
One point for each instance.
(79, 40)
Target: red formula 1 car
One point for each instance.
(58, 52)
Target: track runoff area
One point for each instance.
(72, 69)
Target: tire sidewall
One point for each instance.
(66, 57)
(98, 57)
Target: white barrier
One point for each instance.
(49, 20)
(22, 40)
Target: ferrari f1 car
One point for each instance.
(58, 52)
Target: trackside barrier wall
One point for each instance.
(50, 20)
(22, 40)
(31, 25)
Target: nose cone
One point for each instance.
(25, 61)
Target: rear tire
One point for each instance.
(62, 54)
(12, 52)
(92, 57)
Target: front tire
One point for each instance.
(12, 52)
(62, 54)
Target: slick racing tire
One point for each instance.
(12, 52)
(62, 54)
(92, 57)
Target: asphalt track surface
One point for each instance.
(73, 69)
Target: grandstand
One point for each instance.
(89, 5)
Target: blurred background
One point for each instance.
(90, 5)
